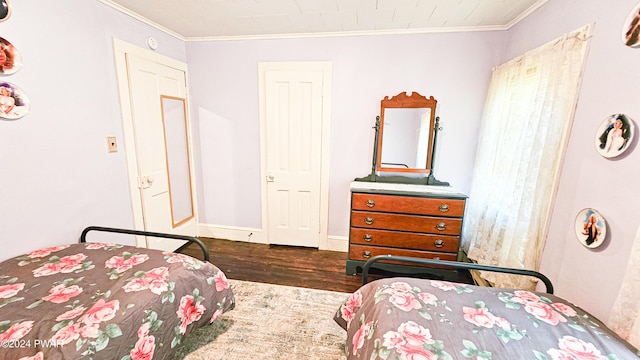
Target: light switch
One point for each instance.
(111, 143)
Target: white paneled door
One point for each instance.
(157, 144)
(294, 116)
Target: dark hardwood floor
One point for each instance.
(292, 266)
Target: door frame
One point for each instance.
(317, 66)
(120, 51)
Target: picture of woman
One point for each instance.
(631, 29)
(590, 228)
(14, 104)
(7, 102)
(614, 135)
(10, 60)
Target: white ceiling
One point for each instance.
(232, 19)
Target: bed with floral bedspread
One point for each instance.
(410, 318)
(105, 301)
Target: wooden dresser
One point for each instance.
(405, 220)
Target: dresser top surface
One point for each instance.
(405, 189)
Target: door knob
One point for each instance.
(145, 182)
(270, 177)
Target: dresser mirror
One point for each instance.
(406, 132)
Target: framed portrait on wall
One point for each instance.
(10, 58)
(5, 10)
(614, 135)
(631, 28)
(14, 103)
(591, 228)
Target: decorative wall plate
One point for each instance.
(614, 135)
(10, 58)
(591, 228)
(14, 103)
(5, 10)
(631, 28)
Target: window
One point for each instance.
(526, 123)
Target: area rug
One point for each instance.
(271, 322)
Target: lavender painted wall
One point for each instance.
(611, 84)
(56, 176)
(455, 68)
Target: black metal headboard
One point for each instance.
(455, 265)
(190, 239)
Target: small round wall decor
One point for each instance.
(14, 103)
(5, 10)
(631, 28)
(614, 135)
(10, 59)
(591, 228)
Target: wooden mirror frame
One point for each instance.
(404, 101)
(400, 101)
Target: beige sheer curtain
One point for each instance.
(625, 316)
(527, 119)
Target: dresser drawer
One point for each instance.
(413, 223)
(364, 253)
(408, 205)
(444, 243)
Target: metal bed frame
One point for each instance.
(455, 265)
(189, 239)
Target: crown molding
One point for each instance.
(142, 19)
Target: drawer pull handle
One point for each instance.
(444, 208)
(441, 226)
(439, 243)
(371, 203)
(368, 237)
(366, 254)
(436, 258)
(368, 220)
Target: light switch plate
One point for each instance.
(111, 144)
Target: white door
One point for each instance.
(294, 116)
(157, 145)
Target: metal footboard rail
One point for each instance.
(455, 265)
(189, 239)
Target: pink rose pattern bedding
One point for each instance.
(105, 301)
(411, 319)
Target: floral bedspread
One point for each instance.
(105, 301)
(404, 318)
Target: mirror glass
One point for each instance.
(174, 115)
(406, 133)
(406, 138)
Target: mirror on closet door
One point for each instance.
(174, 121)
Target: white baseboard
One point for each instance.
(333, 243)
(337, 243)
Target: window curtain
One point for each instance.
(625, 316)
(526, 122)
